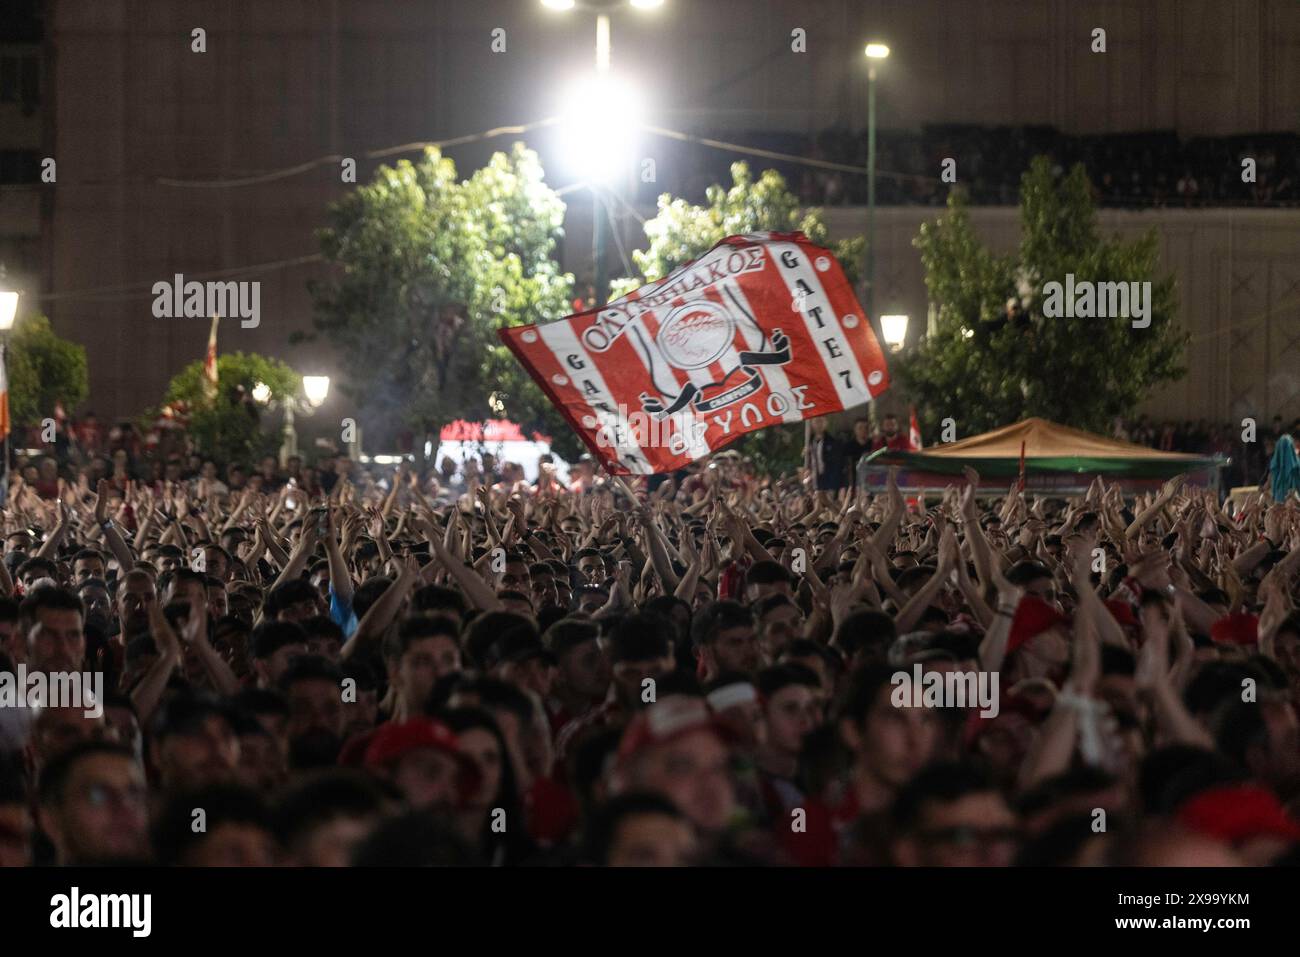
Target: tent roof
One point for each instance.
(1044, 439)
(1049, 448)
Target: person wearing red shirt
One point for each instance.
(891, 436)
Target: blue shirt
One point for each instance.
(342, 613)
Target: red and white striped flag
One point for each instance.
(210, 362)
(761, 330)
(4, 405)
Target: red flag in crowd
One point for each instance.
(210, 361)
(914, 433)
(4, 404)
(762, 329)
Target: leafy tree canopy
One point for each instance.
(427, 269)
(986, 363)
(44, 370)
(229, 426)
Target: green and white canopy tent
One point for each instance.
(1057, 460)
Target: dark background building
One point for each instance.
(144, 129)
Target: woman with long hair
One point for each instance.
(494, 817)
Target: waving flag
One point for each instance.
(914, 433)
(210, 363)
(4, 404)
(761, 330)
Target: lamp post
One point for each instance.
(8, 312)
(894, 330)
(874, 53)
(599, 211)
(600, 225)
(315, 387)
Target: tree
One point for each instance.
(228, 427)
(427, 269)
(683, 231)
(44, 370)
(987, 365)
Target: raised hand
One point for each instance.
(949, 554)
(101, 501)
(160, 629)
(1170, 488)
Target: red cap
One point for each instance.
(666, 720)
(393, 740)
(1033, 617)
(1238, 813)
(1241, 628)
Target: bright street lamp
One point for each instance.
(602, 116)
(314, 387)
(894, 329)
(875, 52)
(317, 387)
(609, 115)
(8, 309)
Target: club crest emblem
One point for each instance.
(696, 335)
(701, 334)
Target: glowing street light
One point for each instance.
(8, 309)
(600, 125)
(261, 393)
(601, 119)
(875, 52)
(894, 329)
(317, 387)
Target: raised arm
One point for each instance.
(1148, 514)
(52, 541)
(340, 577)
(302, 551)
(476, 589)
(911, 613)
(148, 693)
(112, 537)
(384, 611)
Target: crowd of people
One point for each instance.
(1247, 451)
(332, 664)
